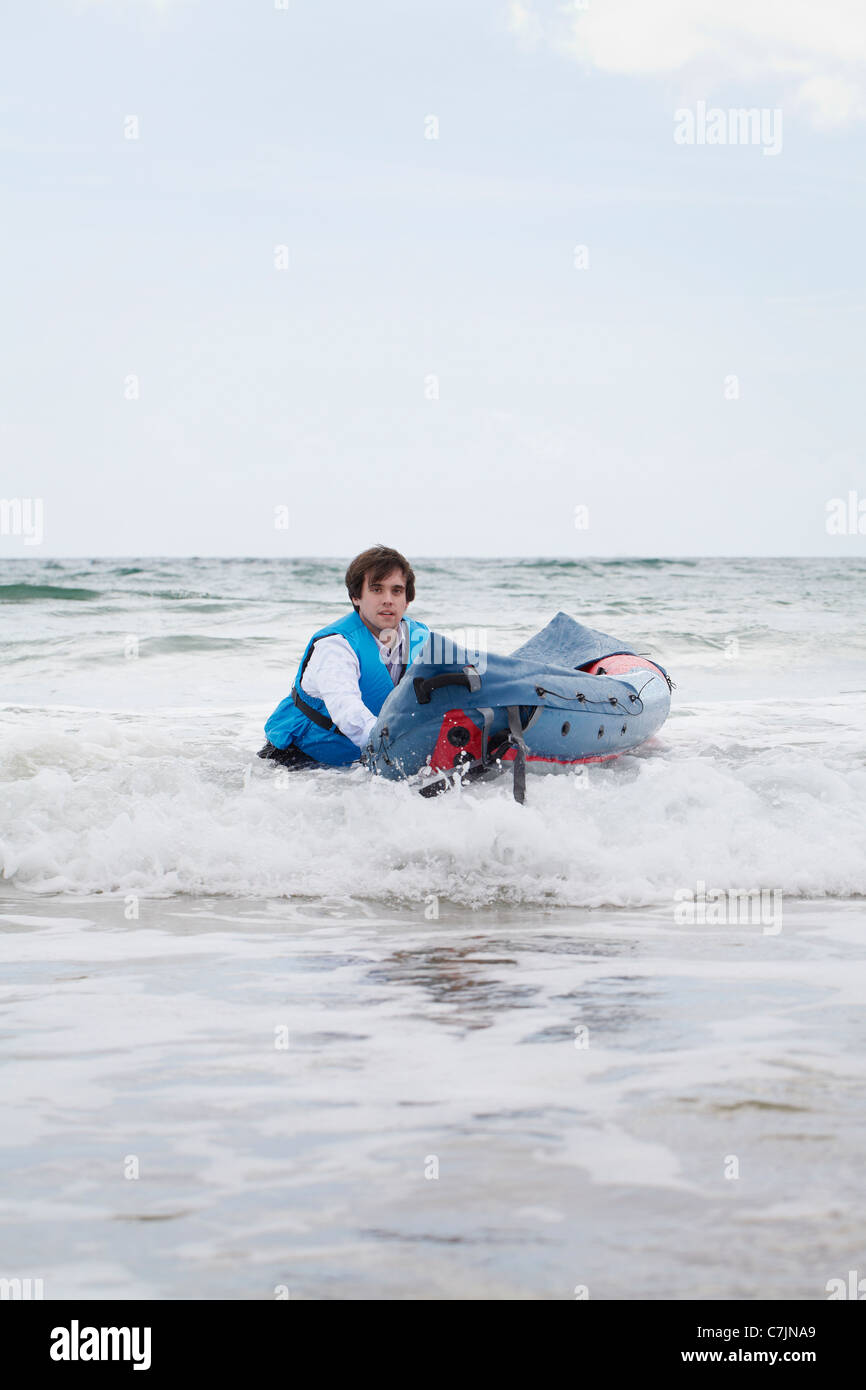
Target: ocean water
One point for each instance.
(318, 1034)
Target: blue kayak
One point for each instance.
(569, 695)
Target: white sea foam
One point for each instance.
(735, 797)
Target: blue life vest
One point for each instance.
(294, 719)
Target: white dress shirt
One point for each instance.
(333, 674)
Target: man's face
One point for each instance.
(383, 602)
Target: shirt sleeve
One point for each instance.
(333, 674)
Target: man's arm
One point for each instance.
(333, 674)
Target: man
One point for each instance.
(349, 667)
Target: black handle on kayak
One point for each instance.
(468, 677)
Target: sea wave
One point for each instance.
(126, 807)
(200, 642)
(23, 593)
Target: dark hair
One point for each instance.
(377, 562)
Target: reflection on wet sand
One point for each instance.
(472, 1108)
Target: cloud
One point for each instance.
(813, 54)
(525, 23)
(832, 101)
(129, 9)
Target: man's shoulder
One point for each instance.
(332, 641)
(348, 623)
(331, 653)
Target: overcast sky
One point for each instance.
(436, 366)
